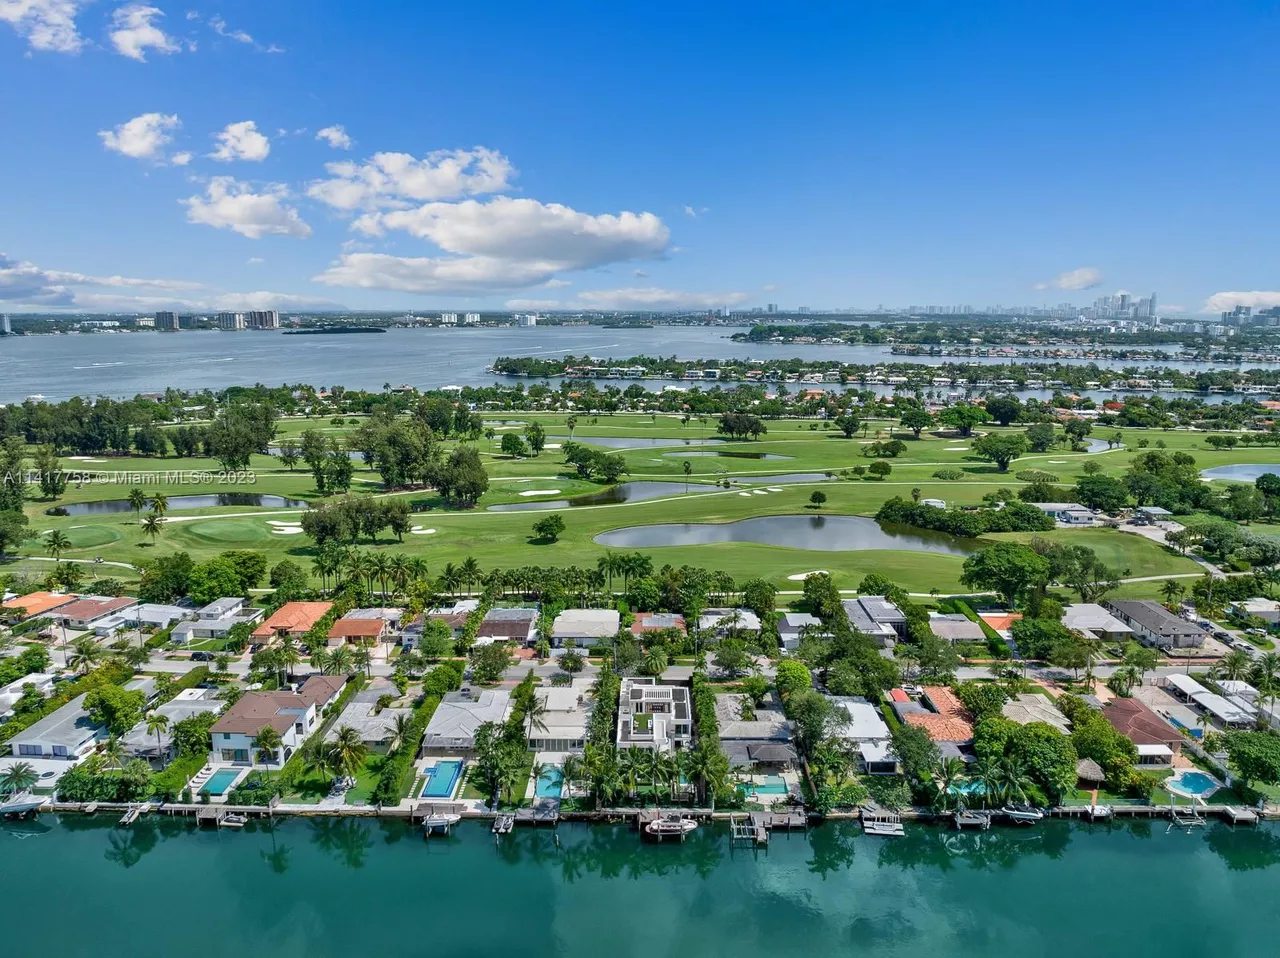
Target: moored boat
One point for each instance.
(671, 825)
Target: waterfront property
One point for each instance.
(374, 727)
(453, 725)
(67, 733)
(585, 627)
(158, 747)
(654, 715)
(440, 778)
(292, 620)
(294, 716)
(1155, 625)
(562, 727)
(1157, 742)
(866, 732)
(762, 739)
(42, 682)
(1029, 707)
(941, 714)
(1225, 712)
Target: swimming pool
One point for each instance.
(1192, 784)
(220, 782)
(550, 783)
(441, 779)
(772, 785)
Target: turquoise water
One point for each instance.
(772, 785)
(1051, 891)
(549, 783)
(968, 787)
(1194, 783)
(220, 781)
(441, 779)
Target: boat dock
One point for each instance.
(969, 819)
(743, 829)
(437, 818)
(882, 823)
(132, 814)
(503, 824)
(1232, 814)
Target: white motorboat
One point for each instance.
(1022, 814)
(22, 803)
(671, 825)
(441, 821)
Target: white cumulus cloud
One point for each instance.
(26, 284)
(48, 25)
(335, 136)
(1226, 301)
(636, 297)
(1086, 277)
(230, 204)
(180, 159)
(395, 179)
(241, 141)
(503, 243)
(144, 137)
(134, 32)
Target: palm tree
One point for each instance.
(362, 660)
(160, 504)
(136, 657)
(398, 731)
(57, 543)
(321, 662)
(1172, 590)
(151, 527)
(629, 768)
(655, 661)
(608, 565)
(535, 716)
(348, 753)
(398, 571)
(946, 776)
(157, 722)
(571, 422)
(137, 501)
(268, 743)
(542, 649)
(469, 572)
(380, 566)
(341, 661)
(85, 654)
(1235, 665)
(450, 580)
(113, 751)
(571, 770)
(18, 778)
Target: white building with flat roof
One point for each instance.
(654, 715)
(585, 627)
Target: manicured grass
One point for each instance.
(1119, 550)
(312, 788)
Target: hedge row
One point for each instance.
(113, 673)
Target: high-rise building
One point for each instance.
(528, 319)
(227, 320)
(771, 308)
(166, 320)
(448, 319)
(263, 319)
(471, 319)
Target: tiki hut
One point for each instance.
(1089, 773)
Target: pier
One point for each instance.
(882, 823)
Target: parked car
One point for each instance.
(201, 656)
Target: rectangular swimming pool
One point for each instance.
(220, 781)
(772, 785)
(550, 783)
(441, 779)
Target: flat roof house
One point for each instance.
(1155, 625)
(215, 620)
(374, 727)
(294, 715)
(511, 625)
(762, 740)
(1068, 513)
(792, 624)
(585, 626)
(877, 618)
(955, 627)
(35, 604)
(1096, 621)
(42, 682)
(867, 732)
(564, 723)
(1156, 740)
(724, 621)
(145, 615)
(67, 733)
(656, 622)
(453, 724)
(143, 744)
(1029, 707)
(653, 715)
(293, 619)
(1268, 610)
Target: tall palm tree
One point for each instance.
(946, 775)
(450, 580)
(399, 731)
(114, 752)
(268, 743)
(362, 660)
(348, 753)
(151, 526)
(137, 501)
(57, 543)
(288, 656)
(18, 778)
(341, 661)
(571, 769)
(608, 565)
(398, 571)
(85, 654)
(469, 572)
(1235, 665)
(687, 468)
(535, 716)
(160, 504)
(321, 662)
(1172, 590)
(157, 722)
(380, 566)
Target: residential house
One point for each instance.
(585, 627)
(454, 616)
(374, 727)
(141, 743)
(365, 627)
(1094, 621)
(453, 725)
(562, 727)
(1268, 610)
(867, 732)
(294, 715)
(654, 715)
(67, 733)
(1029, 707)
(513, 625)
(36, 604)
(146, 615)
(723, 622)
(1155, 625)
(84, 613)
(656, 622)
(1067, 513)
(292, 620)
(955, 627)
(877, 618)
(944, 718)
(42, 682)
(215, 620)
(762, 739)
(791, 625)
(1156, 740)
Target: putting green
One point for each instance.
(236, 531)
(88, 537)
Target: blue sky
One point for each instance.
(631, 155)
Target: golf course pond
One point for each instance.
(816, 533)
(1241, 471)
(243, 499)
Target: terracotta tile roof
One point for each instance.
(37, 603)
(950, 723)
(999, 622)
(292, 617)
(1136, 722)
(84, 610)
(357, 629)
(899, 696)
(652, 621)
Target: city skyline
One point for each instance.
(174, 159)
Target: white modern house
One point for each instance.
(67, 733)
(725, 621)
(1067, 513)
(867, 732)
(293, 715)
(562, 728)
(585, 626)
(143, 744)
(653, 715)
(1093, 619)
(42, 682)
(215, 620)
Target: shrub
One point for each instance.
(1035, 475)
(948, 475)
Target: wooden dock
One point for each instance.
(211, 815)
(743, 829)
(882, 823)
(783, 821)
(967, 819)
(132, 814)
